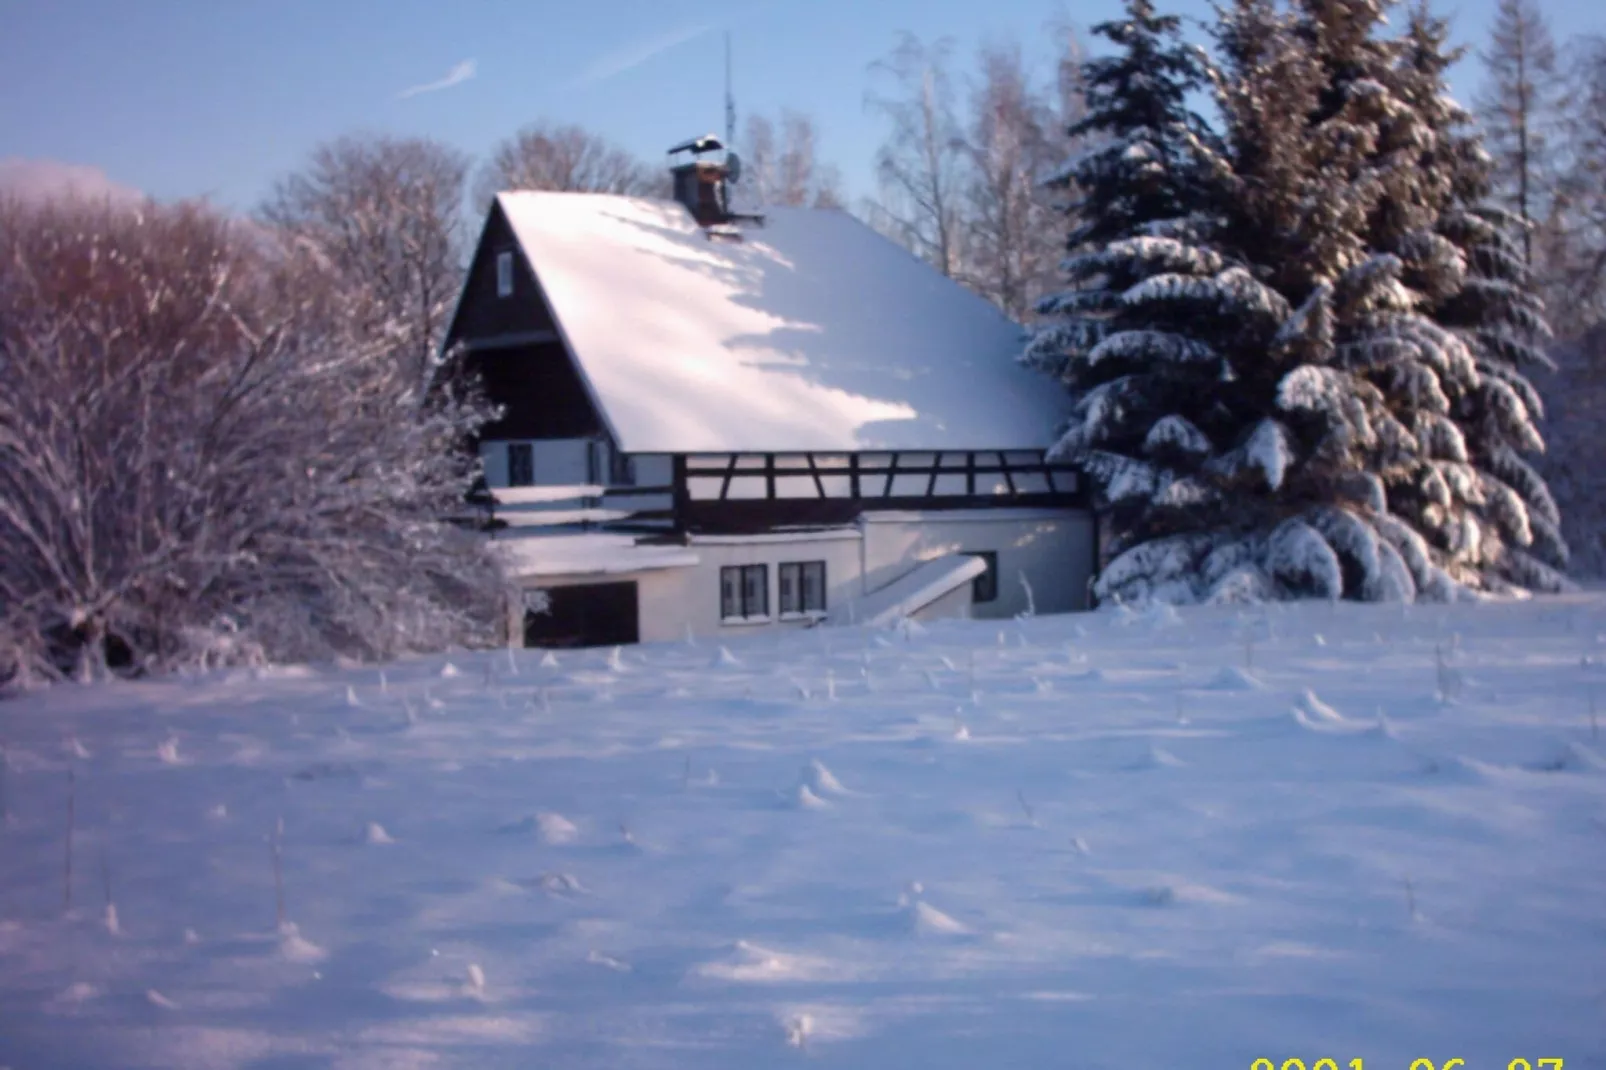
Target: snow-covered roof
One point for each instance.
(588, 553)
(810, 333)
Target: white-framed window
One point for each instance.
(504, 274)
(802, 588)
(520, 464)
(744, 593)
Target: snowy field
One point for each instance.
(1107, 841)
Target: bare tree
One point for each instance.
(919, 168)
(1009, 215)
(205, 459)
(1575, 459)
(758, 152)
(386, 214)
(1576, 233)
(566, 159)
(1518, 109)
(786, 170)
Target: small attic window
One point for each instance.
(504, 274)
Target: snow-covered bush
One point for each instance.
(202, 461)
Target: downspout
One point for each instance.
(864, 554)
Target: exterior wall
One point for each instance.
(1052, 548)
(652, 469)
(839, 550)
(480, 312)
(956, 603)
(559, 462)
(539, 390)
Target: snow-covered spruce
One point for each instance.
(1309, 383)
(1500, 526)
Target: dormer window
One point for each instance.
(504, 274)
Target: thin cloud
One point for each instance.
(456, 76)
(636, 53)
(43, 180)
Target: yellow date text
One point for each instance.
(1417, 1064)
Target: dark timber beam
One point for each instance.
(507, 341)
(819, 485)
(680, 493)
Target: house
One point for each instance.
(714, 422)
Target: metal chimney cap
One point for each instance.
(699, 145)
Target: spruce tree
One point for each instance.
(1305, 382)
(1384, 266)
(1305, 119)
(1142, 373)
(1304, 415)
(1512, 526)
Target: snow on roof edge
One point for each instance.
(551, 555)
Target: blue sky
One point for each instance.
(187, 97)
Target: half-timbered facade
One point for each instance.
(714, 422)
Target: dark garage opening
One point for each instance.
(589, 614)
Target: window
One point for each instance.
(744, 592)
(520, 464)
(504, 274)
(802, 587)
(984, 588)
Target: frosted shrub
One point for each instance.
(203, 462)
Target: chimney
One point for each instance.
(700, 184)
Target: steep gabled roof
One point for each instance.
(812, 332)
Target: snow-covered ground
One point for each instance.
(1113, 840)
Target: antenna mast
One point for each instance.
(730, 99)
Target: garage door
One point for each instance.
(590, 614)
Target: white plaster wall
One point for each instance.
(652, 469)
(562, 462)
(956, 603)
(1053, 548)
(493, 461)
(559, 462)
(669, 599)
(839, 551)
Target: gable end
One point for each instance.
(482, 314)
